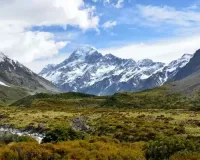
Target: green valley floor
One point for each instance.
(101, 133)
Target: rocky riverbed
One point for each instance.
(21, 132)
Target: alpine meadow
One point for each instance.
(99, 80)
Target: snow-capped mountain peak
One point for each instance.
(87, 70)
(109, 56)
(82, 52)
(48, 67)
(2, 57)
(85, 49)
(187, 56)
(171, 69)
(181, 62)
(148, 62)
(144, 62)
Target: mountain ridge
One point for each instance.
(193, 66)
(16, 74)
(17, 81)
(88, 71)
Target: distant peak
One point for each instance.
(145, 61)
(85, 49)
(187, 55)
(50, 66)
(148, 62)
(198, 51)
(2, 57)
(109, 55)
(82, 52)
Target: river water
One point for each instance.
(38, 137)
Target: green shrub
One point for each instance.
(164, 147)
(79, 150)
(62, 134)
(185, 155)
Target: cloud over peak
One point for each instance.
(17, 17)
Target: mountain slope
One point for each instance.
(167, 73)
(12, 73)
(17, 81)
(189, 85)
(9, 95)
(88, 71)
(193, 66)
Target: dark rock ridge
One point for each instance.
(193, 66)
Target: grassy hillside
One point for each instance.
(59, 100)
(189, 86)
(153, 98)
(158, 98)
(9, 95)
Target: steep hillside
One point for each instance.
(9, 95)
(189, 85)
(12, 73)
(17, 81)
(193, 66)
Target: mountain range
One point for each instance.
(88, 71)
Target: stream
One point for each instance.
(38, 137)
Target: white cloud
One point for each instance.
(119, 4)
(113, 3)
(48, 12)
(162, 51)
(168, 15)
(29, 46)
(193, 7)
(109, 24)
(18, 16)
(106, 1)
(38, 65)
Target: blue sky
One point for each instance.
(129, 26)
(49, 31)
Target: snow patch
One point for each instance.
(2, 57)
(3, 84)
